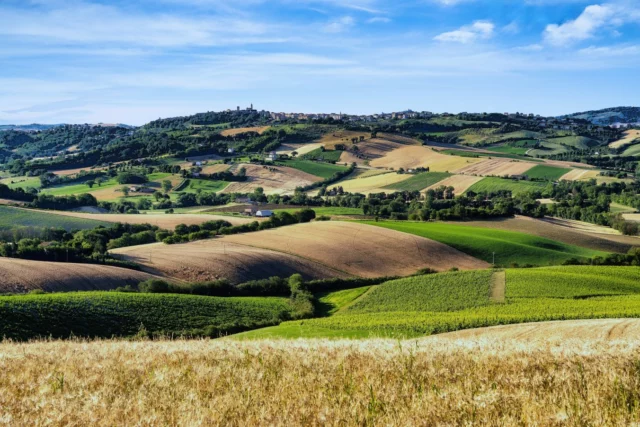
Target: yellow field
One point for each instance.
(236, 131)
(371, 184)
(330, 140)
(414, 156)
(629, 137)
(460, 183)
(578, 381)
(301, 149)
(632, 217)
(496, 167)
(272, 179)
(580, 175)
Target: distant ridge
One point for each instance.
(39, 127)
(609, 116)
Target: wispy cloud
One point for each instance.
(339, 25)
(468, 33)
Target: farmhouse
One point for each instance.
(251, 211)
(264, 213)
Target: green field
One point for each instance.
(68, 190)
(196, 185)
(21, 182)
(109, 314)
(549, 149)
(618, 208)
(323, 170)
(633, 150)
(491, 184)
(324, 155)
(426, 305)
(15, 217)
(549, 173)
(330, 210)
(419, 182)
(464, 153)
(579, 142)
(509, 246)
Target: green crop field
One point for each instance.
(325, 155)
(509, 246)
(618, 208)
(330, 210)
(323, 170)
(550, 173)
(109, 314)
(633, 150)
(549, 149)
(490, 184)
(579, 142)
(15, 217)
(423, 305)
(331, 302)
(419, 182)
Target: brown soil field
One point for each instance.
(167, 221)
(594, 330)
(580, 174)
(11, 202)
(359, 249)
(371, 183)
(218, 167)
(413, 156)
(236, 131)
(19, 275)
(629, 136)
(273, 179)
(497, 167)
(66, 172)
(564, 234)
(221, 258)
(582, 226)
(399, 139)
(460, 183)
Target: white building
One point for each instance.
(264, 213)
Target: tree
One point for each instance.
(125, 191)
(166, 186)
(91, 183)
(99, 181)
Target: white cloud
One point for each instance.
(611, 50)
(377, 19)
(339, 25)
(468, 33)
(585, 26)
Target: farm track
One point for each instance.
(498, 286)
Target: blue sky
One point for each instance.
(89, 61)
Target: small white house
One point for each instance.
(273, 156)
(231, 150)
(264, 213)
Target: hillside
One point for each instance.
(19, 275)
(318, 249)
(609, 116)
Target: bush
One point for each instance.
(154, 286)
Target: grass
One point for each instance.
(203, 185)
(419, 182)
(323, 170)
(549, 173)
(493, 184)
(633, 150)
(331, 302)
(324, 155)
(330, 210)
(108, 314)
(75, 189)
(21, 182)
(579, 142)
(509, 246)
(618, 208)
(15, 217)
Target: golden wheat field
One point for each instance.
(496, 167)
(371, 183)
(580, 174)
(629, 137)
(320, 382)
(460, 183)
(237, 131)
(272, 179)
